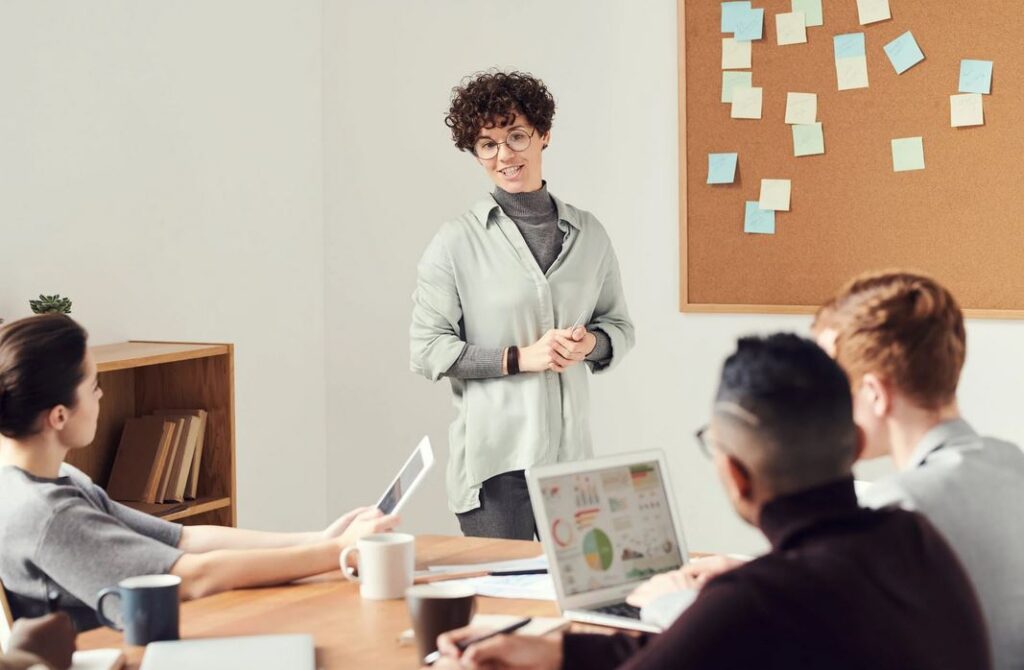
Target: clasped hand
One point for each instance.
(558, 350)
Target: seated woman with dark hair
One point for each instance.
(64, 538)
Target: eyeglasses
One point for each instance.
(517, 140)
(701, 437)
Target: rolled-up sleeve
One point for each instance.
(612, 316)
(434, 342)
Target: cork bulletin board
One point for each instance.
(960, 219)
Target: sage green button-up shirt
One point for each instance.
(478, 283)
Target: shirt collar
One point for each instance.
(938, 437)
(484, 209)
(788, 519)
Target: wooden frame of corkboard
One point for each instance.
(960, 220)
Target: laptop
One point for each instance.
(269, 652)
(607, 525)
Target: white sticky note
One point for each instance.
(790, 28)
(966, 110)
(735, 55)
(852, 72)
(775, 195)
(808, 140)
(907, 154)
(812, 11)
(732, 79)
(872, 11)
(746, 103)
(801, 108)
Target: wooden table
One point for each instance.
(350, 632)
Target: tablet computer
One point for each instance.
(408, 478)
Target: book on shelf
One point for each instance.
(141, 456)
(173, 454)
(193, 427)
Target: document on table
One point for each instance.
(527, 587)
(536, 563)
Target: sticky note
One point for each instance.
(746, 103)
(903, 52)
(812, 11)
(722, 168)
(976, 76)
(801, 108)
(907, 154)
(775, 194)
(757, 220)
(849, 45)
(808, 140)
(790, 28)
(731, 11)
(750, 25)
(735, 55)
(731, 79)
(966, 109)
(852, 73)
(871, 11)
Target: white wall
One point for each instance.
(161, 164)
(392, 176)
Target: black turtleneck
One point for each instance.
(843, 588)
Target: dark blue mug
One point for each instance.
(148, 606)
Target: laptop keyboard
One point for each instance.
(624, 610)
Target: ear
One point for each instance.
(740, 478)
(878, 395)
(57, 417)
(545, 140)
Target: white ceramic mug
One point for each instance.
(386, 563)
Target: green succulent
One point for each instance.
(50, 303)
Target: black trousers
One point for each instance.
(504, 512)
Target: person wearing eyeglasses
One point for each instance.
(843, 587)
(511, 299)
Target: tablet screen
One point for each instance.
(402, 483)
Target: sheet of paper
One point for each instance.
(903, 52)
(775, 194)
(907, 154)
(872, 11)
(801, 108)
(746, 103)
(750, 25)
(731, 12)
(735, 55)
(966, 109)
(731, 79)
(722, 168)
(536, 563)
(976, 76)
(528, 587)
(790, 28)
(808, 140)
(757, 220)
(539, 625)
(812, 11)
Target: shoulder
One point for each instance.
(31, 500)
(585, 220)
(456, 232)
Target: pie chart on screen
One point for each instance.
(597, 549)
(561, 532)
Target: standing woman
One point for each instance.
(510, 298)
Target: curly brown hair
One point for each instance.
(493, 98)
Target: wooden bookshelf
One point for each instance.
(140, 377)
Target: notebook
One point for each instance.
(267, 652)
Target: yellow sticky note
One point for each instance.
(775, 194)
(852, 72)
(735, 55)
(791, 28)
(871, 11)
(801, 108)
(966, 110)
(746, 103)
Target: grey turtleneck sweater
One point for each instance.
(536, 218)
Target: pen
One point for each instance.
(579, 319)
(52, 600)
(434, 656)
(513, 573)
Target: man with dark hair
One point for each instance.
(843, 587)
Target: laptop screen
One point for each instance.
(610, 526)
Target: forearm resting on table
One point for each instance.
(226, 569)
(200, 539)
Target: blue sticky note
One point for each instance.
(722, 168)
(976, 76)
(808, 140)
(750, 25)
(907, 154)
(731, 12)
(903, 52)
(850, 45)
(757, 220)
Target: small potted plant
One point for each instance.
(47, 304)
